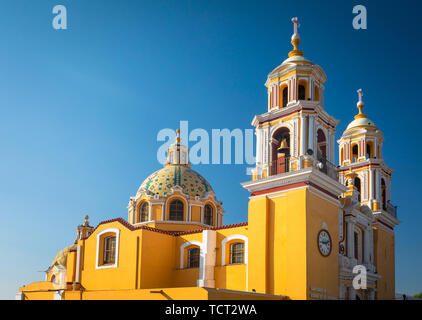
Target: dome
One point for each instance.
(161, 181)
(361, 122)
(61, 257)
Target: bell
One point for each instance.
(283, 145)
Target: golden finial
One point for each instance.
(295, 39)
(360, 105)
(178, 139)
(86, 222)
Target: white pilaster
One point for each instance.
(350, 239)
(259, 144)
(311, 135)
(303, 135)
(366, 246)
(207, 259)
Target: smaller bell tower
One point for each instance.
(364, 171)
(360, 150)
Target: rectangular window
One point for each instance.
(237, 253)
(109, 256)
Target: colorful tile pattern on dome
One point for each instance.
(161, 181)
(61, 257)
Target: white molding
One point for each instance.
(182, 250)
(230, 238)
(115, 265)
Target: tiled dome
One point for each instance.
(61, 257)
(161, 181)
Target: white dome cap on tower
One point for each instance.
(361, 120)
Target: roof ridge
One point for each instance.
(167, 232)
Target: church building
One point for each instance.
(312, 227)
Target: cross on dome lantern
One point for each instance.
(295, 39)
(360, 105)
(296, 25)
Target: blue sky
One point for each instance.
(80, 109)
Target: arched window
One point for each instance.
(53, 278)
(109, 254)
(358, 187)
(237, 253)
(368, 151)
(176, 210)
(208, 216)
(322, 144)
(301, 92)
(285, 96)
(193, 258)
(280, 151)
(143, 212)
(383, 194)
(355, 152)
(316, 98)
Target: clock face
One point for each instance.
(324, 243)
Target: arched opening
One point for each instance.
(176, 210)
(285, 96)
(301, 92)
(280, 151)
(357, 184)
(358, 244)
(193, 257)
(316, 90)
(143, 212)
(53, 279)
(355, 152)
(237, 253)
(322, 144)
(383, 194)
(208, 215)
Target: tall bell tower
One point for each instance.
(294, 207)
(363, 168)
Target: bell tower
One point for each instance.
(294, 206)
(360, 150)
(364, 170)
(295, 117)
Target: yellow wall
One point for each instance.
(384, 254)
(322, 271)
(284, 258)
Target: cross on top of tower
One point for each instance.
(360, 93)
(360, 105)
(295, 39)
(295, 24)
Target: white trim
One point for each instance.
(115, 265)
(182, 250)
(230, 238)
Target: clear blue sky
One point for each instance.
(80, 109)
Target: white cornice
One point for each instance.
(386, 218)
(309, 174)
(292, 107)
(368, 162)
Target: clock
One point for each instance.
(324, 243)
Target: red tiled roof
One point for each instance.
(170, 233)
